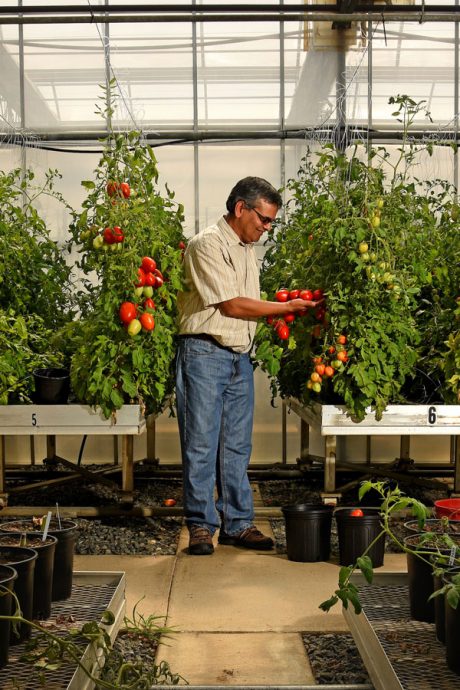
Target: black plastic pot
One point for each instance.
(452, 629)
(7, 577)
(420, 577)
(44, 565)
(439, 604)
(63, 559)
(52, 386)
(308, 531)
(356, 533)
(23, 561)
(433, 525)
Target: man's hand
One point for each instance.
(298, 304)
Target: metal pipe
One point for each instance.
(183, 137)
(42, 14)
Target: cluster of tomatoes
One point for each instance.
(284, 295)
(148, 277)
(326, 366)
(118, 189)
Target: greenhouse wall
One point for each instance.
(177, 81)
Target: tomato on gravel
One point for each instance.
(127, 312)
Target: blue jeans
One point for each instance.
(215, 407)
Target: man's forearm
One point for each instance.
(248, 308)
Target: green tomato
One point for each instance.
(98, 242)
(365, 256)
(380, 203)
(134, 327)
(363, 247)
(139, 291)
(316, 387)
(147, 291)
(336, 364)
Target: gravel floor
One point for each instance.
(333, 656)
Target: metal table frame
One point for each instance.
(67, 420)
(398, 420)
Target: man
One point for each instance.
(218, 312)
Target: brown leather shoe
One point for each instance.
(249, 538)
(200, 541)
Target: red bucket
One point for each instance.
(448, 507)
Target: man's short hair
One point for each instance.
(250, 190)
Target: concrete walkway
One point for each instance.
(239, 614)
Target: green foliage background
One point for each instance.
(394, 301)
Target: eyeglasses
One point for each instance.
(265, 220)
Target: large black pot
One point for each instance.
(23, 561)
(420, 576)
(308, 531)
(7, 578)
(65, 533)
(52, 386)
(356, 533)
(452, 628)
(44, 565)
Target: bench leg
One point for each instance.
(127, 464)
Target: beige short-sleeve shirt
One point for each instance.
(218, 267)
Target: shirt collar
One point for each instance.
(229, 233)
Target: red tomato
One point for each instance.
(331, 350)
(342, 339)
(169, 502)
(282, 332)
(158, 282)
(148, 264)
(182, 245)
(306, 294)
(149, 303)
(289, 318)
(270, 320)
(320, 314)
(150, 279)
(317, 295)
(147, 321)
(329, 371)
(117, 233)
(282, 295)
(158, 273)
(140, 278)
(294, 294)
(108, 236)
(320, 369)
(127, 312)
(112, 188)
(357, 512)
(125, 190)
(342, 356)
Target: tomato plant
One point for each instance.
(383, 248)
(112, 365)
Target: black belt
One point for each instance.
(208, 338)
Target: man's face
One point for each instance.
(253, 221)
